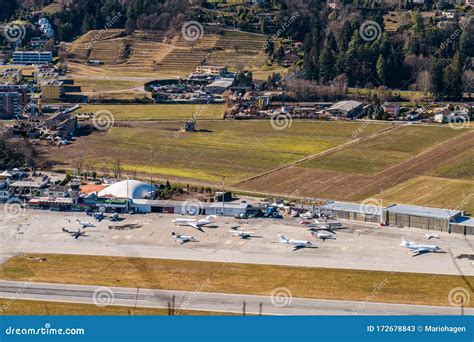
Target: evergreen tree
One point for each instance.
(331, 42)
(326, 65)
(453, 78)
(280, 55)
(86, 25)
(270, 47)
(437, 79)
(346, 36)
(382, 70)
(465, 47)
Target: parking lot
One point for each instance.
(358, 246)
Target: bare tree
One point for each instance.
(105, 171)
(423, 82)
(383, 94)
(236, 46)
(79, 165)
(89, 168)
(117, 169)
(468, 82)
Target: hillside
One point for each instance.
(153, 52)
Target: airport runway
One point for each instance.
(206, 301)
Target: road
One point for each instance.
(207, 301)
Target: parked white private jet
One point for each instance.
(297, 244)
(183, 238)
(241, 234)
(197, 224)
(84, 224)
(323, 236)
(430, 236)
(329, 226)
(419, 249)
(307, 215)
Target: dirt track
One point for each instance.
(325, 184)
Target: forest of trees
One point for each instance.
(421, 57)
(16, 153)
(133, 14)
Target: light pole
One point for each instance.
(223, 193)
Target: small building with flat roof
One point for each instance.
(227, 209)
(158, 206)
(353, 211)
(220, 85)
(347, 109)
(183, 207)
(463, 225)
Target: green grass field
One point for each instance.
(461, 168)
(236, 149)
(184, 275)
(95, 85)
(158, 112)
(43, 308)
(434, 192)
(370, 156)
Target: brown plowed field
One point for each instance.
(325, 184)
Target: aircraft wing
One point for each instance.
(299, 246)
(178, 238)
(195, 225)
(419, 250)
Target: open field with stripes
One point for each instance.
(158, 112)
(400, 163)
(423, 165)
(235, 149)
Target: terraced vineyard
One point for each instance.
(182, 61)
(145, 55)
(154, 52)
(236, 40)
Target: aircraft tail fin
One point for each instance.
(404, 242)
(282, 238)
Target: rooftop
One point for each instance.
(222, 82)
(445, 214)
(464, 221)
(353, 207)
(345, 105)
(88, 188)
(131, 189)
(58, 188)
(33, 183)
